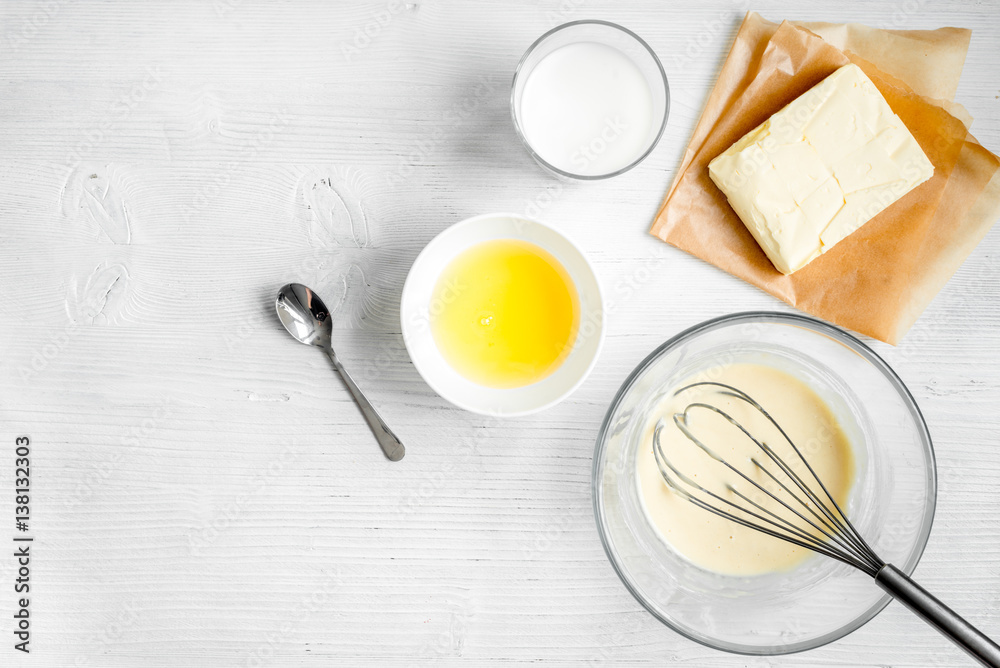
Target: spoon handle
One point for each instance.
(388, 441)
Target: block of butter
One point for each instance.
(820, 168)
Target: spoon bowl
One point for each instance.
(304, 315)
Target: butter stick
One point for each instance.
(820, 168)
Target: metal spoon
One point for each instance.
(306, 317)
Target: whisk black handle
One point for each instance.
(940, 616)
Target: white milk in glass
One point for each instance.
(587, 109)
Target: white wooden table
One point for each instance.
(204, 491)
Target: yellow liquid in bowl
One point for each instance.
(504, 313)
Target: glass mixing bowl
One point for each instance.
(891, 502)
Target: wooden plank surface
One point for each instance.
(205, 492)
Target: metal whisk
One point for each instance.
(814, 519)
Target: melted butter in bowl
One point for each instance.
(505, 313)
(716, 543)
(502, 315)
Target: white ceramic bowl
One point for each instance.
(446, 381)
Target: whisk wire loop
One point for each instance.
(787, 532)
(825, 529)
(846, 524)
(680, 420)
(836, 514)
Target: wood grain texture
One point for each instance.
(205, 491)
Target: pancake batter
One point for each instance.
(713, 542)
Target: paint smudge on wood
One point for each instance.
(95, 196)
(100, 297)
(331, 202)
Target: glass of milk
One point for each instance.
(589, 100)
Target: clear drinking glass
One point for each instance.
(891, 502)
(607, 34)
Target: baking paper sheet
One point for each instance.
(879, 279)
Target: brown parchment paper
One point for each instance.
(878, 280)
(929, 61)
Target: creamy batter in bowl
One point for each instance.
(891, 500)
